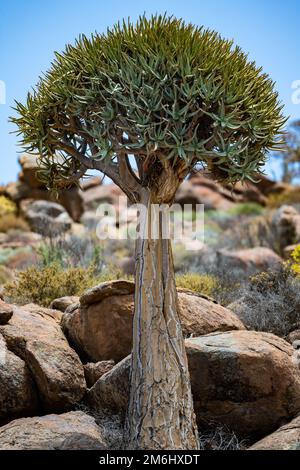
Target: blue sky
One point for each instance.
(31, 30)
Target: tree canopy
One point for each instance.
(161, 90)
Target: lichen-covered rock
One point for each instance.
(35, 335)
(69, 431)
(18, 395)
(101, 326)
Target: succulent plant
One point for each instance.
(159, 89)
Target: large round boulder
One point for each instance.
(244, 379)
(46, 218)
(250, 260)
(100, 326)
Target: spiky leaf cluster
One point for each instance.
(157, 89)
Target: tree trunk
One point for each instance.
(160, 413)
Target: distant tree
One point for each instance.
(289, 154)
(171, 95)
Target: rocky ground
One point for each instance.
(66, 312)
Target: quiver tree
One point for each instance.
(167, 95)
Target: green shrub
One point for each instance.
(201, 283)
(42, 285)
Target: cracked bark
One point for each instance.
(160, 413)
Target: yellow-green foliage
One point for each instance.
(12, 222)
(296, 258)
(201, 283)
(42, 285)
(7, 206)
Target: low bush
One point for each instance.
(271, 302)
(201, 283)
(42, 285)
